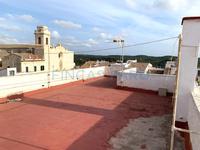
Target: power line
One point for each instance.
(150, 42)
(125, 46)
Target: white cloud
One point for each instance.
(55, 35)
(105, 36)
(131, 3)
(8, 26)
(2, 19)
(27, 18)
(193, 10)
(89, 43)
(92, 41)
(96, 29)
(72, 41)
(171, 4)
(179, 6)
(23, 17)
(67, 24)
(5, 39)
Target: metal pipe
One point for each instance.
(186, 131)
(48, 68)
(176, 94)
(122, 46)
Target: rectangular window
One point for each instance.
(26, 69)
(42, 68)
(39, 40)
(47, 41)
(12, 73)
(35, 68)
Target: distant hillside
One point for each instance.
(155, 61)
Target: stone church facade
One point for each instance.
(38, 57)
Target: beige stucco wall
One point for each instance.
(57, 63)
(31, 64)
(64, 61)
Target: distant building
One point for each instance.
(90, 64)
(140, 67)
(8, 72)
(131, 61)
(155, 70)
(40, 56)
(131, 66)
(170, 67)
(3, 53)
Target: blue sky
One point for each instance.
(83, 25)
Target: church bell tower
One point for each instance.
(42, 36)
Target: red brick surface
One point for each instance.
(3, 100)
(82, 116)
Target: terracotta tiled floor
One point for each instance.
(82, 116)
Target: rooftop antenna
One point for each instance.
(120, 42)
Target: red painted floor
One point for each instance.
(81, 116)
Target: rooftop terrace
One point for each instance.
(94, 114)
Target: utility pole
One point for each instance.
(120, 42)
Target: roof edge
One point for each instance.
(190, 18)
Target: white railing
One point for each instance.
(146, 81)
(33, 81)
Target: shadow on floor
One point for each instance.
(100, 83)
(97, 137)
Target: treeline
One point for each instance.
(155, 61)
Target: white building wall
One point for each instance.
(194, 120)
(188, 66)
(63, 77)
(34, 81)
(148, 67)
(32, 64)
(7, 72)
(114, 69)
(146, 81)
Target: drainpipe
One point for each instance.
(175, 95)
(48, 68)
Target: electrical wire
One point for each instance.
(125, 46)
(133, 45)
(97, 50)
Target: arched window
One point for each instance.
(39, 40)
(47, 41)
(60, 55)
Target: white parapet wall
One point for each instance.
(114, 69)
(194, 119)
(33, 81)
(57, 78)
(146, 81)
